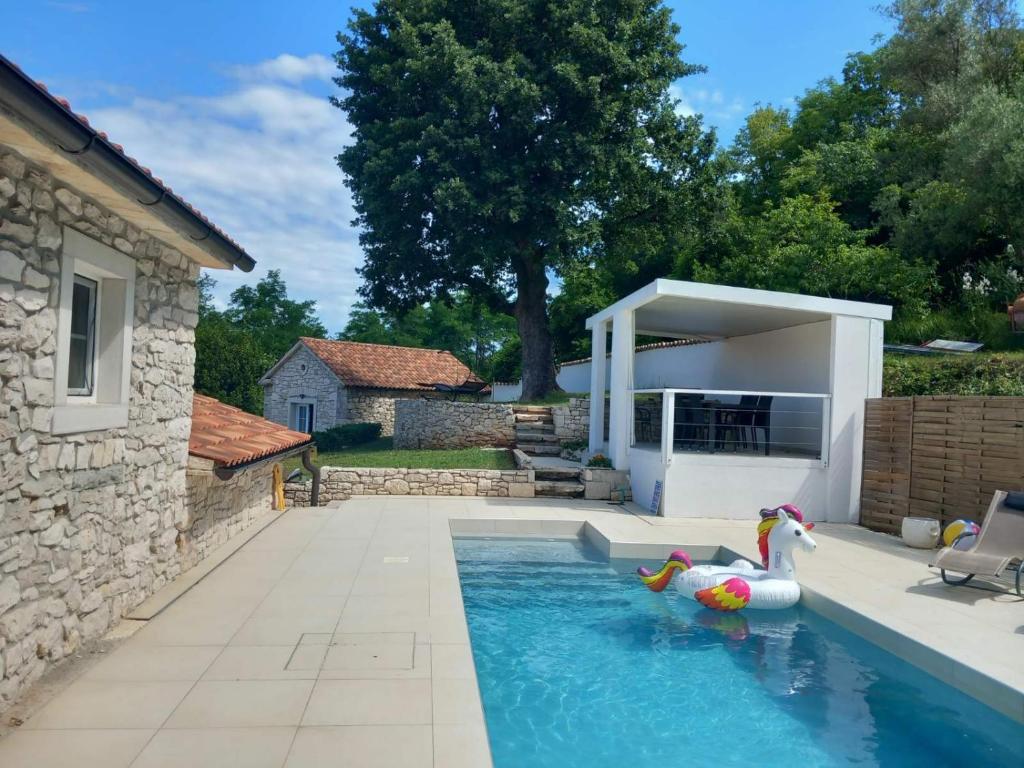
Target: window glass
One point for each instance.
(301, 417)
(83, 333)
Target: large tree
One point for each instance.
(491, 139)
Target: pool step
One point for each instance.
(558, 488)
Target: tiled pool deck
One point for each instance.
(336, 637)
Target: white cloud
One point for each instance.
(259, 161)
(711, 103)
(288, 69)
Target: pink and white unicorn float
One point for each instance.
(740, 584)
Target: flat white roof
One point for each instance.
(675, 308)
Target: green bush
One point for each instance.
(346, 435)
(973, 374)
(600, 461)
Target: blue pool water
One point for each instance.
(580, 666)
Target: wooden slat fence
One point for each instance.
(939, 457)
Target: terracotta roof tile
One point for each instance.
(230, 436)
(386, 367)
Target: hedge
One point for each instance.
(967, 374)
(346, 435)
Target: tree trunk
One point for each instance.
(531, 311)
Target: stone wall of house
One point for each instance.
(218, 509)
(87, 521)
(304, 377)
(572, 421)
(447, 424)
(339, 483)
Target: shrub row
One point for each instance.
(974, 374)
(346, 435)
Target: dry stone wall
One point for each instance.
(339, 483)
(87, 521)
(572, 421)
(447, 424)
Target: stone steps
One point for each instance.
(535, 431)
(540, 449)
(534, 418)
(531, 436)
(558, 488)
(563, 474)
(535, 426)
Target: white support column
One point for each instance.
(598, 359)
(668, 417)
(621, 419)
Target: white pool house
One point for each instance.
(765, 407)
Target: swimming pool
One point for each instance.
(579, 665)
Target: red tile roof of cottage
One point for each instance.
(381, 366)
(230, 436)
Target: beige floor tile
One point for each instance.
(373, 638)
(373, 605)
(307, 658)
(108, 748)
(452, 662)
(369, 657)
(461, 746)
(156, 662)
(217, 748)
(108, 704)
(284, 623)
(456, 701)
(449, 628)
(362, 746)
(260, 662)
(369, 702)
(212, 623)
(242, 704)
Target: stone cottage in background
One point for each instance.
(98, 305)
(319, 383)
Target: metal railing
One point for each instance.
(732, 422)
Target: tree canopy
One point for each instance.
(234, 348)
(500, 143)
(902, 181)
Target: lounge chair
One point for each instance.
(1000, 544)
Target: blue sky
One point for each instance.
(227, 102)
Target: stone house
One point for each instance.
(320, 383)
(99, 505)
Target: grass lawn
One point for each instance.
(381, 453)
(553, 398)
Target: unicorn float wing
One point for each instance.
(730, 595)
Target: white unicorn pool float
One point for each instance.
(740, 584)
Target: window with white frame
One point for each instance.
(300, 417)
(94, 336)
(82, 345)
